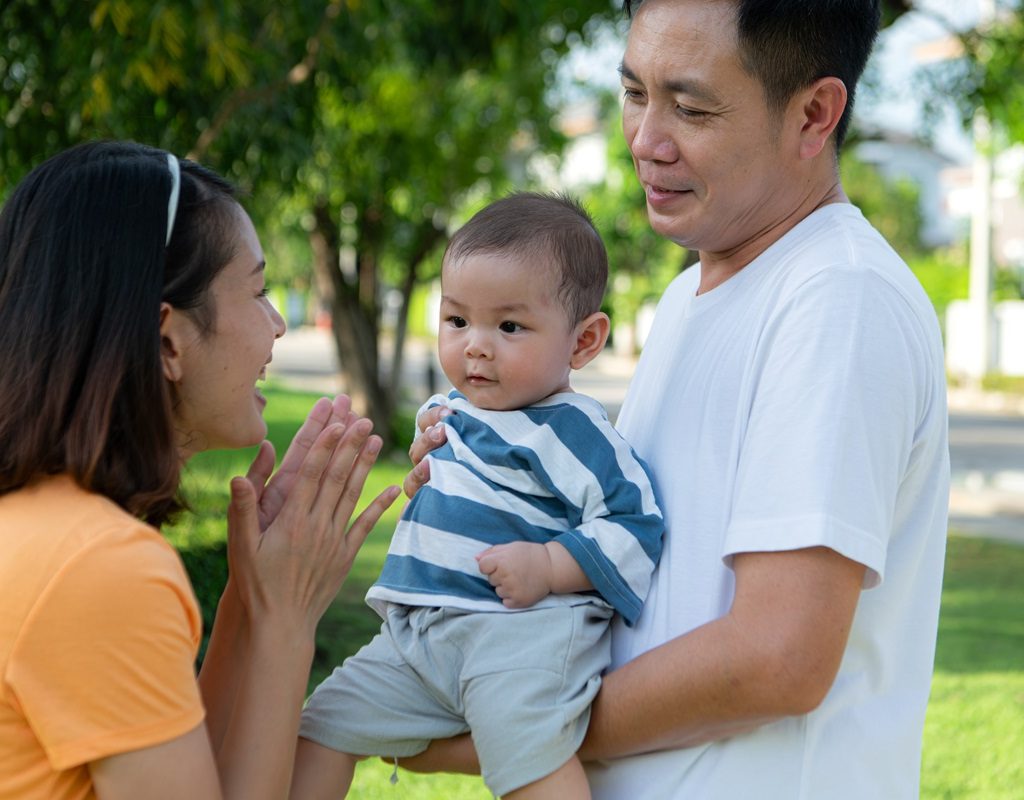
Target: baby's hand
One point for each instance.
(521, 572)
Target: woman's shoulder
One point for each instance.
(53, 527)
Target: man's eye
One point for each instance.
(691, 113)
(510, 327)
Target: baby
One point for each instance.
(537, 524)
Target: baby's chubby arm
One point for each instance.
(524, 572)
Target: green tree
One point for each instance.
(368, 122)
(892, 205)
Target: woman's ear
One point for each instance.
(591, 334)
(173, 332)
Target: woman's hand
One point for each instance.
(290, 553)
(432, 435)
(271, 492)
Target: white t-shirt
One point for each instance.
(800, 403)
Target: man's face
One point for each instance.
(710, 156)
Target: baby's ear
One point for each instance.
(590, 333)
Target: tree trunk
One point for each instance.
(354, 326)
(427, 238)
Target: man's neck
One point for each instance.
(717, 267)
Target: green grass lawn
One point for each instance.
(974, 734)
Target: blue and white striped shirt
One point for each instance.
(555, 471)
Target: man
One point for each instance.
(790, 402)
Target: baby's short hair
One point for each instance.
(551, 228)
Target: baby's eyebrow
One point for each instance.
(512, 308)
(504, 308)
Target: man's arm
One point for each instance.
(774, 654)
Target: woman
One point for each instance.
(134, 324)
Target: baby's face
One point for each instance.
(505, 340)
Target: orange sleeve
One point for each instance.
(105, 661)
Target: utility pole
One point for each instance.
(974, 333)
(980, 294)
(980, 286)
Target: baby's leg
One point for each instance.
(568, 782)
(321, 773)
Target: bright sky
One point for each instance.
(895, 58)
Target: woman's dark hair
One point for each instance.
(83, 270)
(546, 229)
(789, 44)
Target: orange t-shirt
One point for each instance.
(99, 630)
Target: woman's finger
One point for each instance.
(243, 529)
(306, 488)
(355, 479)
(262, 467)
(364, 523)
(324, 412)
(335, 482)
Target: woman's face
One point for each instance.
(217, 403)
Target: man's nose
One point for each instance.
(648, 136)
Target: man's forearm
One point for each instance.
(686, 692)
(775, 654)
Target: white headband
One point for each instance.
(172, 202)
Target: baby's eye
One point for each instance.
(457, 322)
(510, 327)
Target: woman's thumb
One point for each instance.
(243, 521)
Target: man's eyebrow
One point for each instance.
(695, 89)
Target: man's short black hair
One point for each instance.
(789, 44)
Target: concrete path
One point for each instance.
(986, 432)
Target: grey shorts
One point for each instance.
(521, 683)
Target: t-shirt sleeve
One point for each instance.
(105, 661)
(618, 526)
(831, 423)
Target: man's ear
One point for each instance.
(591, 334)
(821, 107)
(174, 330)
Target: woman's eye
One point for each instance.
(510, 327)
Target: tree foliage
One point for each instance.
(367, 122)
(985, 70)
(892, 205)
